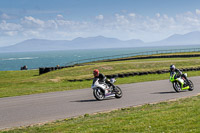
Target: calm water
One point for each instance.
(34, 60)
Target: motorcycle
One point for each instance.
(181, 83)
(103, 90)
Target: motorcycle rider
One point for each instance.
(174, 70)
(102, 78)
(177, 72)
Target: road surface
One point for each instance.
(41, 108)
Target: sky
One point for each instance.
(147, 20)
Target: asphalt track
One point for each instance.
(41, 108)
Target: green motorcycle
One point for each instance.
(181, 83)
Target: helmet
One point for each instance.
(172, 67)
(96, 72)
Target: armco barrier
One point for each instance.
(122, 75)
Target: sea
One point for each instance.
(34, 60)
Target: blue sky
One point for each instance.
(148, 20)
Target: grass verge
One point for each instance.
(16, 83)
(34, 88)
(175, 116)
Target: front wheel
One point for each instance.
(191, 85)
(98, 94)
(176, 86)
(118, 92)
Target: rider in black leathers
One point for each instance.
(174, 70)
(102, 78)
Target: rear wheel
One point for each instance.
(98, 94)
(176, 86)
(191, 85)
(118, 92)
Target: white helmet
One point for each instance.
(172, 67)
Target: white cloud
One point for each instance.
(51, 24)
(188, 21)
(9, 29)
(165, 16)
(59, 16)
(32, 33)
(32, 22)
(158, 15)
(5, 16)
(100, 17)
(197, 11)
(126, 25)
(188, 13)
(11, 33)
(4, 26)
(121, 19)
(65, 22)
(132, 14)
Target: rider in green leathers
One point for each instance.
(174, 70)
(177, 75)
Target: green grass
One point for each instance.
(177, 116)
(16, 83)
(166, 117)
(26, 88)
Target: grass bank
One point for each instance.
(16, 83)
(177, 116)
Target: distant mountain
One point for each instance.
(191, 38)
(35, 45)
(78, 43)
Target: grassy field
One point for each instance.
(179, 116)
(15, 83)
(175, 116)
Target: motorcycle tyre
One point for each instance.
(96, 95)
(175, 87)
(191, 86)
(118, 95)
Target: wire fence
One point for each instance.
(147, 53)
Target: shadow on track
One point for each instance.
(93, 100)
(168, 92)
(90, 100)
